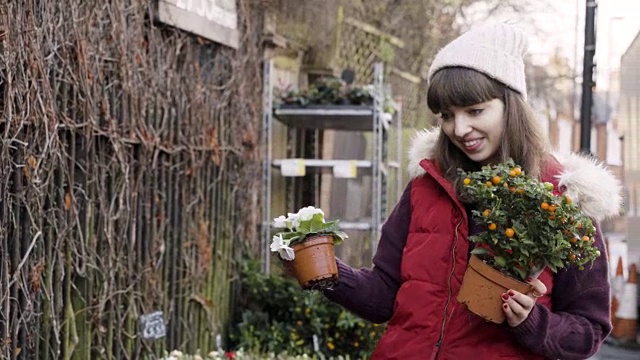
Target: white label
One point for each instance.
(628, 303)
(617, 287)
(219, 343)
(152, 326)
(345, 169)
(293, 167)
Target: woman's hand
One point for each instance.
(517, 306)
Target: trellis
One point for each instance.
(128, 160)
(360, 45)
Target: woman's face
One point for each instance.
(476, 129)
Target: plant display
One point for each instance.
(526, 226)
(233, 355)
(275, 316)
(306, 223)
(331, 91)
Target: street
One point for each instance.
(611, 352)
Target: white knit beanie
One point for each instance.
(495, 50)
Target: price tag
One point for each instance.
(152, 326)
(345, 169)
(293, 167)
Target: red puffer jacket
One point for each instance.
(433, 264)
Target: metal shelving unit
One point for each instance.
(336, 117)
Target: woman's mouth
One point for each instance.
(472, 145)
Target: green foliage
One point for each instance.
(278, 317)
(307, 222)
(315, 226)
(327, 91)
(332, 91)
(527, 227)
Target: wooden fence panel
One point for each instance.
(127, 167)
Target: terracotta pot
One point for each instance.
(482, 288)
(315, 263)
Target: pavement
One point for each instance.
(612, 350)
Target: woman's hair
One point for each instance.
(522, 139)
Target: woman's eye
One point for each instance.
(445, 116)
(475, 111)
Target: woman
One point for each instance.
(477, 87)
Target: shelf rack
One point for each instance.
(335, 117)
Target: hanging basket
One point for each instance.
(315, 263)
(482, 288)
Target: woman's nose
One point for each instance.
(462, 126)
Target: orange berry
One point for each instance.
(509, 232)
(467, 181)
(552, 208)
(568, 198)
(488, 183)
(493, 226)
(512, 173)
(573, 240)
(552, 216)
(586, 238)
(486, 212)
(496, 180)
(517, 170)
(506, 184)
(579, 225)
(512, 189)
(544, 206)
(572, 257)
(520, 191)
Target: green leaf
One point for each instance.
(500, 261)
(341, 234)
(555, 262)
(291, 236)
(521, 273)
(479, 251)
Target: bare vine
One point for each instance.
(129, 161)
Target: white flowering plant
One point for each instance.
(307, 222)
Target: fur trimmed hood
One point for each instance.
(589, 183)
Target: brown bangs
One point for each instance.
(460, 87)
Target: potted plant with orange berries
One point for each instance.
(526, 228)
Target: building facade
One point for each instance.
(629, 117)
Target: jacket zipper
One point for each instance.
(436, 349)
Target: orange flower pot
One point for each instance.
(482, 288)
(315, 263)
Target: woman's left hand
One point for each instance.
(517, 305)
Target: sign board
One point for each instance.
(152, 326)
(216, 20)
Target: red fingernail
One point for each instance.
(511, 293)
(505, 297)
(505, 306)
(528, 279)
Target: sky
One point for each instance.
(558, 26)
(617, 25)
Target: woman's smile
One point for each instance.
(472, 145)
(476, 129)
